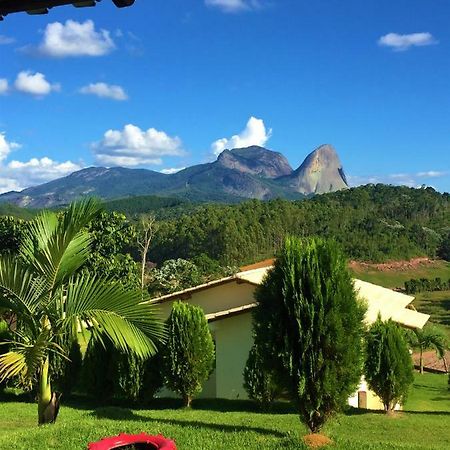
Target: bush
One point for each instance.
(190, 354)
(308, 323)
(259, 380)
(68, 372)
(388, 367)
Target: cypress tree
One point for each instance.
(190, 354)
(309, 324)
(388, 367)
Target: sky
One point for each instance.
(166, 84)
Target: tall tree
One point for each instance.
(190, 354)
(388, 367)
(310, 325)
(52, 299)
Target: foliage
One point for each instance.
(259, 380)
(67, 370)
(388, 366)
(414, 286)
(309, 324)
(190, 355)
(372, 223)
(444, 247)
(108, 373)
(174, 275)
(430, 337)
(113, 237)
(52, 299)
(11, 233)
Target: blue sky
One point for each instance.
(169, 83)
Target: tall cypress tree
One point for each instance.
(388, 367)
(309, 324)
(190, 353)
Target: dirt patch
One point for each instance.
(316, 440)
(411, 264)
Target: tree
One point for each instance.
(309, 324)
(52, 300)
(388, 367)
(444, 248)
(146, 232)
(190, 354)
(174, 275)
(428, 338)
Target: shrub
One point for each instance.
(259, 380)
(309, 324)
(388, 367)
(190, 354)
(67, 371)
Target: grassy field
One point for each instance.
(219, 425)
(395, 278)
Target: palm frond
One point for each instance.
(20, 290)
(57, 248)
(114, 311)
(26, 357)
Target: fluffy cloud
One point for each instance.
(75, 39)
(6, 147)
(135, 147)
(232, 6)
(172, 170)
(401, 42)
(17, 175)
(255, 133)
(105, 91)
(34, 84)
(402, 179)
(3, 86)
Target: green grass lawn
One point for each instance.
(224, 425)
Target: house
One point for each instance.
(228, 304)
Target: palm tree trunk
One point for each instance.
(48, 401)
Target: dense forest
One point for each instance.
(372, 223)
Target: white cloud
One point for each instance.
(3, 86)
(17, 175)
(402, 179)
(232, 6)
(254, 133)
(34, 84)
(172, 170)
(75, 39)
(6, 147)
(135, 147)
(105, 91)
(401, 42)
(5, 40)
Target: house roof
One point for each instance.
(380, 300)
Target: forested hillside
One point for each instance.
(373, 223)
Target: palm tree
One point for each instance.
(53, 300)
(429, 338)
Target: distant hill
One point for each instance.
(237, 174)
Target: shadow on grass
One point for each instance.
(217, 405)
(358, 412)
(115, 413)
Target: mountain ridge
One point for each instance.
(236, 174)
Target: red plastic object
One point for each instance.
(144, 439)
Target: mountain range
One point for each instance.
(252, 172)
